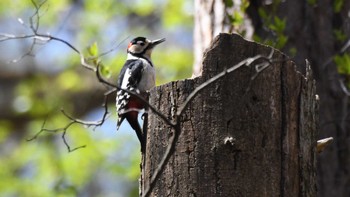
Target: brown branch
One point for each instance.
(344, 88)
(338, 52)
(246, 62)
(73, 121)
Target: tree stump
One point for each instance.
(240, 136)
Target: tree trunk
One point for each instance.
(240, 137)
(310, 28)
(210, 19)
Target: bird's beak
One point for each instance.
(156, 42)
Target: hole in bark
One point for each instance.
(254, 98)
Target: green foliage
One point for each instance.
(176, 14)
(343, 63)
(278, 25)
(105, 71)
(293, 51)
(275, 24)
(228, 3)
(281, 41)
(93, 50)
(144, 7)
(43, 167)
(262, 13)
(339, 35)
(237, 16)
(178, 68)
(94, 59)
(312, 2)
(337, 5)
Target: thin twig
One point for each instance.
(344, 88)
(246, 62)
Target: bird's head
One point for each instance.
(142, 47)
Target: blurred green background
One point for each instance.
(37, 81)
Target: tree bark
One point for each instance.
(310, 28)
(240, 137)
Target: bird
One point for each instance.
(137, 76)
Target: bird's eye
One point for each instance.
(142, 43)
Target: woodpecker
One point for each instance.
(137, 75)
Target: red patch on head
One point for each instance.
(129, 45)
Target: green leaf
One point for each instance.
(245, 5)
(237, 19)
(262, 13)
(257, 38)
(337, 5)
(105, 71)
(339, 35)
(343, 63)
(281, 41)
(280, 24)
(228, 3)
(93, 49)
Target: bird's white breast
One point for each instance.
(148, 79)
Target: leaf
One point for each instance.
(337, 5)
(245, 4)
(280, 24)
(93, 49)
(281, 41)
(257, 38)
(104, 70)
(237, 19)
(228, 3)
(343, 63)
(262, 13)
(339, 35)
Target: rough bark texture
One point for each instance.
(272, 121)
(310, 28)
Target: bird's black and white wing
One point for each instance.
(129, 79)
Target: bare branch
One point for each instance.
(344, 88)
(340, 51)
(73, 121)
(113, 48)
(246, 62)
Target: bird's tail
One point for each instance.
(120, 120)
(136, 126)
